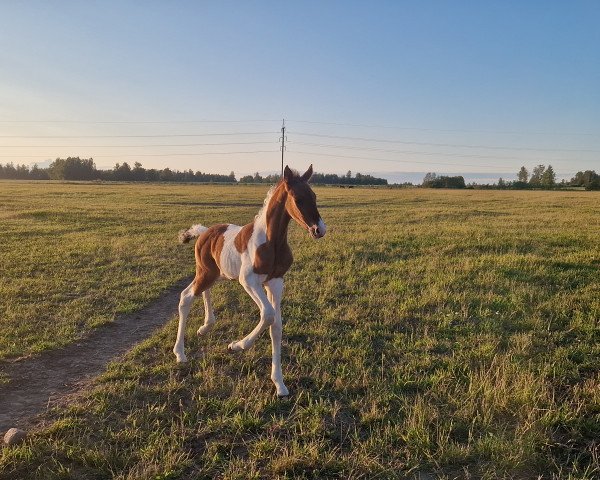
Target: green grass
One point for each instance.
(454, 333)
(75, 255)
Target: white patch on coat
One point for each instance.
(231, 260)
(259, 235)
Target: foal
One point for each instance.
(258, 255)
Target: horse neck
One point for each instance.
(276, 217)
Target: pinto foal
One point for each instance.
(258, 255)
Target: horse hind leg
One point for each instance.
(209, 313)
(201, 283)
(185, 304)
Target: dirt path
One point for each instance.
(38, 382)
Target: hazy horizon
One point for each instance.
(396, 177)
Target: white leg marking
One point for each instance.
(185, 303)
(275, 292)
(252, 284)
(209, 314)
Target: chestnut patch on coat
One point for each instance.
(243, 237)
(273, 260)
(208, 252)
(274, 257)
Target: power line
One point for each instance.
(154, 154)
(393, 160)
(489, 147)
(310, 122)
(138, 146)
(443, 130)
(410, 161)
(417, 152)
(185, 154)
(127, 122)
(140, 136)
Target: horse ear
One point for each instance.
(288, 174)
(306, 176)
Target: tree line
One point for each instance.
(75, 168)
(322, 178)
(545, 178)
(432, 180)
(540, 177)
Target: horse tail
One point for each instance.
(193, 232)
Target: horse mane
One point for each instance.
(263, 209)
(266, 201)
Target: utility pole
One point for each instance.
(282, 144)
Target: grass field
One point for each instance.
(75, 255)
(449, 333)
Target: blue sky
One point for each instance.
(383, 87)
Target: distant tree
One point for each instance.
(122, 172)
(257, 178)
(138, 172)
(348, 174)
(271, 179)
(501, 183)
(432, 180)
(189, 176)
(594, 184)
(19, 172)
(586, 179)
(536, 175)
(335, 179)
(72, 168)
(548, 178)
(455, 182)
(429, 178)
(523, 175)
(37, 173)
(152, 175)
(166, 175)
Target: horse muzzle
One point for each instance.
(318, 230)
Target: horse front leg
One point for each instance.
(252, 283)
(275, 293)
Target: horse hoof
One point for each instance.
(283, 393)
(203, 329)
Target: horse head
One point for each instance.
(301, 202)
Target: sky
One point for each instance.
(391, 88)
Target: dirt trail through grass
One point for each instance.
(42, 381)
